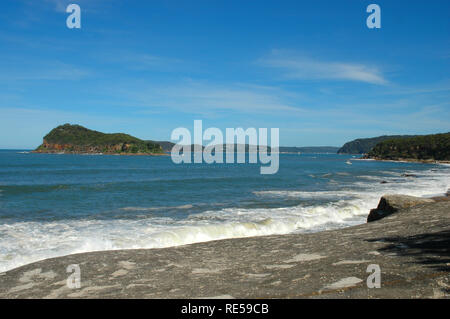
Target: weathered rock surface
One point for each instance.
(390, 204)
(411, 248)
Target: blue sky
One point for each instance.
(311, 68)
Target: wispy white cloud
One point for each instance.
(52, 71)
(59, 5)
(306, 68)
(204, 98)
(441, 87)
(142, 61)
(56, 5)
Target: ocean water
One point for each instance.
(55, 205)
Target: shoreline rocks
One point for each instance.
(390, 204)
(404, 160)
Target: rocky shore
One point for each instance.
(411, 246)
(405, 160)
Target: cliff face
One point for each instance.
(77, 139)
(71, 148)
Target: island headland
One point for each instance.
(434, 148)
(364, 145)
(76, 139)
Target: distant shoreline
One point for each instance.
(404, 160)
(155, 154)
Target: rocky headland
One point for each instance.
(364, 145)
(434, 148)
(410, 244)
(76, 139)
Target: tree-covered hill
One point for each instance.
(425, 147)
(69, 138)
(364, 145)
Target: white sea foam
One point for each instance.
(156, 208)
(306, 195)
(26, 242)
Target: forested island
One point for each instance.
(76, 139)
(435, 147)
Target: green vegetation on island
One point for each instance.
(69, 138)
(435, 147)
(364, 145)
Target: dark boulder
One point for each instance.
(390, 204)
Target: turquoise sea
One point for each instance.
(53, 205)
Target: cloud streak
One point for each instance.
(142, 61)
(59, 5)
(47, 71)
(305, 68)
(204, 98)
